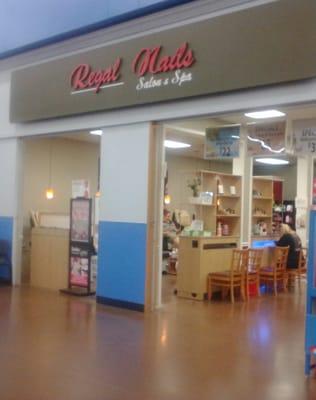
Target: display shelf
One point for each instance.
(262, 198)
(226, 189)
(228, 196)
(262, 204)
(227, 216)
(201, 203)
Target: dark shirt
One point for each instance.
(295, 245)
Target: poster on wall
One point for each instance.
(266, 138)
(80, 220)
(80, 188)
(222, 142)
(79, 266)
(304, 136)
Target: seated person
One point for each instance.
(291, 239)
(170, 230)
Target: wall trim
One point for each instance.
(120, 304)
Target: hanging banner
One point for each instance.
(222, 142)
(304, 136)
(266, 138)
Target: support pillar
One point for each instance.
(125, 229)
(243, 166)
(303, 195)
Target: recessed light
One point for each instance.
(171, 144)
(272, 161)
(265, 114)
(97, 132)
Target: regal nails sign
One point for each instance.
(205, 57)
(148, 66)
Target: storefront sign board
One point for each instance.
(222, 142)
(202, 58)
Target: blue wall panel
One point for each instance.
(122, 263)
(6, 233)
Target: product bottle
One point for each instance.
(219, 229)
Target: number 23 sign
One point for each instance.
(304, 136)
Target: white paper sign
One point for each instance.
(266, 138)
(80, 188)
(304, 136)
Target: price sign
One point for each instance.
(222, 142)
(304, 136)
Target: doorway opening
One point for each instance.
(56, 169)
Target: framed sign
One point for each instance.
(304, 136)
(222, 142)
(80, 226)
(80, 248)
(79, 266)
(266, 138)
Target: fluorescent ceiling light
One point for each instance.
(97, 132)
(272, 161)
(265, 114)
(171, 144)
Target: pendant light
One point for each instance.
(50, 191)
(167, 199)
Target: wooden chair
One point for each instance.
(301, 270)
(234, 278)
(277, 272)
(252, 272)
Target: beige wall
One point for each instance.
(179, 169)
(71, 159)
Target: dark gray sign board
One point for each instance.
(263, 45)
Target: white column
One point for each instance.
(303, 195)
(124, 206)
(243, 166)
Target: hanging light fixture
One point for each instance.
(167, 199)
(50, 191)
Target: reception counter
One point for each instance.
(198, 256)
(49, 258)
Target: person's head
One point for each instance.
(166, 215)
(285, 228)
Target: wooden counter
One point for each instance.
(199, 256)
(49, 258)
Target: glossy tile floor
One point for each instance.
(54, 347)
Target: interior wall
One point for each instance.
(287, 172)
(70, 159)
(180, 171)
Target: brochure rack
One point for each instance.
(80, 248)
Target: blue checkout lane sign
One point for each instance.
(222, 142)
